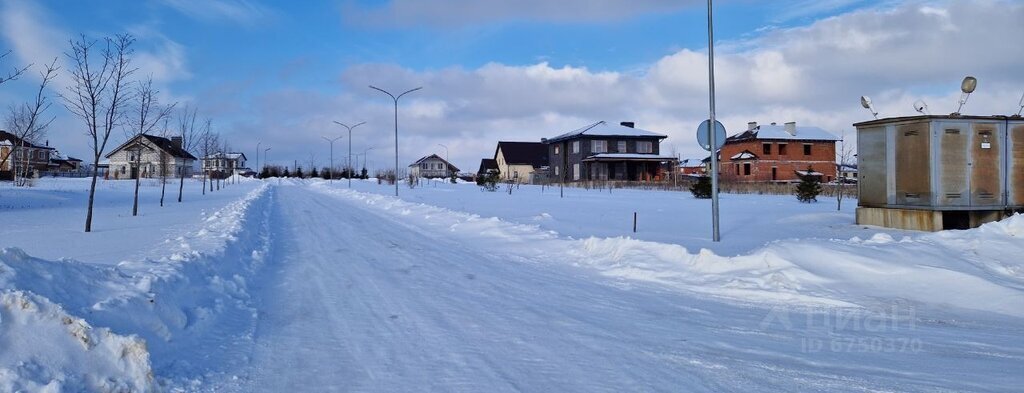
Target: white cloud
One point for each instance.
(244, 12)
(458, 13)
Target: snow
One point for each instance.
(806, 133)
(602, 128)
(289, 285)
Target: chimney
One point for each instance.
(176, 141)
(791, 128)
(751, 126)
(627, 124)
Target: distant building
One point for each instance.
(601, 151)
(432, 166)
(778, 153)
(17, 153)
(521, 162)
(487, 167)
(847, 173)
(692, 167)
(147, 156)
(224, 165)
(937, 172)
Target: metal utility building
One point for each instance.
(939, 172)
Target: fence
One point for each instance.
(683, 185)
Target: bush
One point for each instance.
(702, 188)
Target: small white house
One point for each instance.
(149, 156)
(432, 166)
(222, 165)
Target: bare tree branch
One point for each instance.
(14, 73)
(25, 121)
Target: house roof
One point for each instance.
(691, 163)
(778, 132)
(487, 164)
(602, 128)
(523, 153)
(162, 143)
(451, 167)
(744, 155)
(14, 140)
(231, 156)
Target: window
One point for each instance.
(598, 146)
(766, 148)
(807, 149)
(621, 147)
(782, 149)
(645, 147)
(556, 150)
(556, 168)
(575, 171)
(575, 147)
(746, 169)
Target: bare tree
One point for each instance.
(25, 122)
(147, 115)
(98, 94)
(14, 73)
(845, 156)
(164, 159)
(208, 146)
(191, 138)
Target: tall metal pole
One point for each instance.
(716, 236)
(364, 155)
(447, 164)
(331, 179)
(350, 146)
(265, 155)
(393, 97)
(258, 157)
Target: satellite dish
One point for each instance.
(966, 87)
(921, 107)
(865, 102)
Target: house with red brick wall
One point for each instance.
(778, 153)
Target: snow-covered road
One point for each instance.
(357, 299)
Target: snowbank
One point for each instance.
(164, 306)
(975, 269)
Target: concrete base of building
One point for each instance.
(926, 220)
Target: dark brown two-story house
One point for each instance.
(603, 151)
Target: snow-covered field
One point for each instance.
(310, 286)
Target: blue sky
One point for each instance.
(278, 72)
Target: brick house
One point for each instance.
(147, 155)
(778, 153)
(25, 154)
(601, 151)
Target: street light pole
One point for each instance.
(447, 164)
(331, 179)
(265, 156)
(364, 155)
(350, 148)
(716, 235)
(395, 99)
(258, 156)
